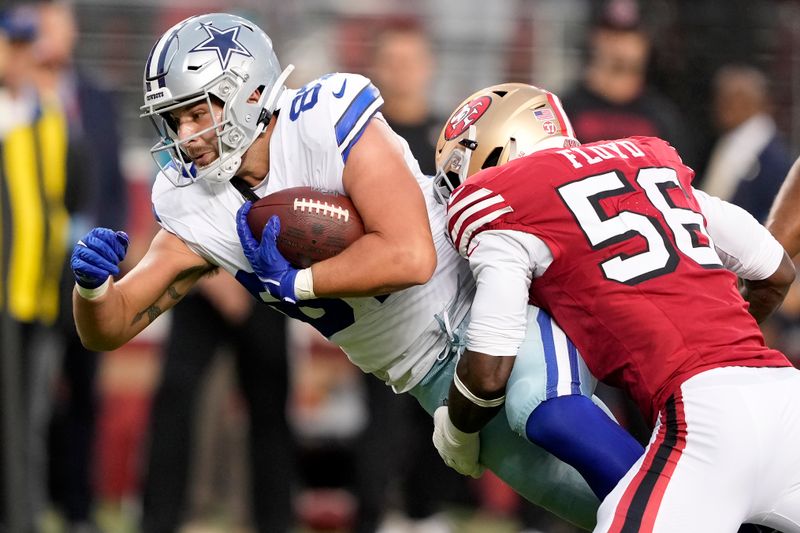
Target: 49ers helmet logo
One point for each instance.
(468, 114)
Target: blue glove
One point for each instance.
(96, 256)
(268, 263)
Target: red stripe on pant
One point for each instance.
(638, 508)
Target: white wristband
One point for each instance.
(93, 294)
(304, 285)
(480, 402)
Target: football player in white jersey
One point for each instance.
(396, 300)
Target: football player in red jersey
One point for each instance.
(640, 270)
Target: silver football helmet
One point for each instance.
(214, 55)
(494, 126)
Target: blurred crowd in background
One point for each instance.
(226, 417)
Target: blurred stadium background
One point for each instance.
(476, 43)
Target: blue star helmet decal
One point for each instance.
(223, 42)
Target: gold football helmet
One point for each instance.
(494, 126)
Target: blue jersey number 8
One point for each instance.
(305, 99)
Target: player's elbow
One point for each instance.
(94, 338)
(94, 334)
(779, 283)
(416, 264)
(765, 296)
(785, 275)
(98, 343)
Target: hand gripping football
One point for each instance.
(315, 224)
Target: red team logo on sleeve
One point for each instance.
(467, 115)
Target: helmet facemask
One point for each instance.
(454, 169)
(231, 144)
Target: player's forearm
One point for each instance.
(467, 416)
(127, 307)
(765, 296)
(374, 265)
(783, 220)
(478, 390)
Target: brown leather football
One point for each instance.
(315, 224)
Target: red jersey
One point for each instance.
(635, 280)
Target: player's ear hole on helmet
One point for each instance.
(255, 95)
(215, 102)
(170, 121)
(493, 158)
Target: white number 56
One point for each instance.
(661, 256)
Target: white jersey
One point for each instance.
(396, 336)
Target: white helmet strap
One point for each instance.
(277, 89)
(271, 99)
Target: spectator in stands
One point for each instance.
(750, 159)
(95, 195)
(402, 67)
(613, 99)
(33, 148)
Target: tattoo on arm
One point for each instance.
(153, 311)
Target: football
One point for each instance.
(315, 224)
